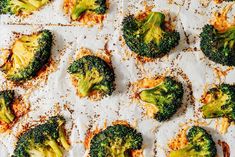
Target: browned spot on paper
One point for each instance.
(225, 148)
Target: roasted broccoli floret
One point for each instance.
(149, 37)
(28, 55)
(218, 46)
(200, 144)
(18, 7)
(219, 102)
(92, 74)
(43, 140)
(167, 97)
(81, 6)
(6, 100)
(117, 141)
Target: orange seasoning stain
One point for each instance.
(220, 20)
(19, 108)
(225, 124)
(222, 73)
(218, 1)
(180, 140)
(90, 134)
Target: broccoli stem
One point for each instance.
(187, 151)
(62, 139)
(55, 147)
(152, 27)
(215, 108)
(77, 11)
(155, 95)
(228, 37)
(87, 82)
(148, 96)
(27, 7)
(5, 113)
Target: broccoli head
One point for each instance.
(92, 74)
(219, 102)
(43, 140)
(28, 55)
(149, 37)
(200, 144)
(81, 6)
(218, 46)
(118, 140)
(6, 100)
(167, 97)
(21, 7)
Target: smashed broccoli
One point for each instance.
(200, 144)
(92, 74)
(18, 7)
(167, 97)
(28, 55)
(6, 100)
(117, 141)
(81, 6)
(149, 37)
(43, 140)
(219, 102)
(218, 46)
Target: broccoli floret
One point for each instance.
(118, 140)
(29, 54)
(6, 100)
(167, 97)
(200, 144)
(218, 46)
(22, 7)
(220, 102)
(92, 74)
(149, 37)
(43, 140)
(81, 6)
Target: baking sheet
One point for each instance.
(57, 94)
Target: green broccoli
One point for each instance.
(92, 74)
(6, 100)
(200, 144)
(81, 6)
(43, 140)
(167, 97)
(218, 46)
(116, 141)
(21, 7)
(29, 54)
(220, 102)
(149, 37)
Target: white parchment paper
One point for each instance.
(186, 60)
